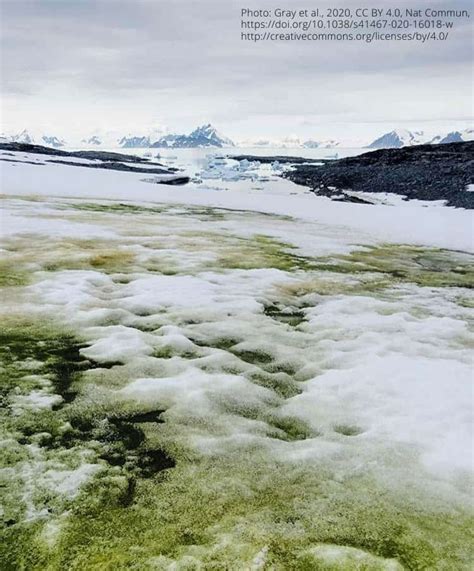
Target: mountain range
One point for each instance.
(403, 138)
(207, 136)
(204, 136)
(290, 142)
(25, 137)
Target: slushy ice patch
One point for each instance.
(208, 389)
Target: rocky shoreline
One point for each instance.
(278, 158)
(97, 160)
(423, 172)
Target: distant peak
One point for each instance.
(203, 136)
(205, 129)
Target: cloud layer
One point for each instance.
(133, 63)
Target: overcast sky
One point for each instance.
(74, 66)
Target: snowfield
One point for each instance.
(445, 228)
(231, 379)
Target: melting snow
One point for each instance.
(231, 334)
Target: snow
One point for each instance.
(399, 138)
(12, 223)
(366, 362)
(68, 482)
(392, 199)
(193, 323)
(108, 139)
(116, 344)
(444, 228)
(41, 473)
(337, 556)
(35, 400)
(454, 137)
(198, 392)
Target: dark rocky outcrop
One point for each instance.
(423, 172)
(98, 160)
(278, 158)
(115, 166)
(92, 155)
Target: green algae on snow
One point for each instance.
(12, 275)
(156, 501)
(38, 442)
(115, 208)
(431, 267)
(38, 362)
(263, 252)
(223, 514)
(216, 513)
(25, 257)
(28, 346)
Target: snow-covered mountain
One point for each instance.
(141, 140)
(454, 137)
(53, 141)
(312, 144)
(398, 138)
(111, 139)
(258, 143)
(134, 142)
(95, 141)
(404, 138)
(29, 138)
(169, 141)
(208, 136)
(290, 142)
(23, 137)
(204, 136)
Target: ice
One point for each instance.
(225, 169)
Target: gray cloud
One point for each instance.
(178, 54)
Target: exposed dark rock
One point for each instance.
(92, 155)
(423, 172)
(115, 166)
(18, 161)
(99, 160)
(176, 180)
(281, 159)
(109, 156)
